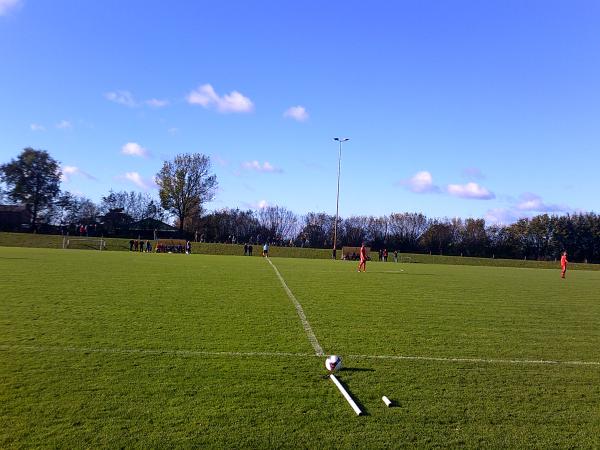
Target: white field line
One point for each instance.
(478, 360)
(307, 328)
(145, 351)
(192, 353)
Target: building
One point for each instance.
(15, 217)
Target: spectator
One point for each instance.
(250, 250)
(385, 255)
(135, 245)
(131, 245)
(395, 256)
(245, 249)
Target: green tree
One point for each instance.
(474, 237)
(540, 231)
(33, 178)
(437, 237)
(185, 183)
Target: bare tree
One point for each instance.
(354, 230)
(278, 223)
(407, 228)
(135, 204)
(317, 230)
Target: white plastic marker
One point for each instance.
(387, 401)
(346, 395)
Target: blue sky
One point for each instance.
(456, 108)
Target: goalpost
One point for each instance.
(85, 243)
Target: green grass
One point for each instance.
(493, 262)
(113, 349)
(206, 248)
(121, 244)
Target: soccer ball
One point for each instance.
(333, 363)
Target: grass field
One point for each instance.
(114, 349)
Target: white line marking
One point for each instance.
(186, 353)
(477, 360)
(307, 328)
(346, 395)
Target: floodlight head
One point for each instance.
(341, 139)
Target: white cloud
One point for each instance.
(7, 5)
(527, 206)
(421, 183)
(473, 173)
(67, 173)
(501, 216)
(126, 98)
(156, 103)
(173, 130)
(134, 149)
(37, 126)
(220, 161)
(470, 190)
(534, 203)
(64, 125)
(234, 102)
(297, 113)
(261, 204)
(258, 167)
(138, 180)
(122, 98)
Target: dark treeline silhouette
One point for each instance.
(43, 207)
(542, 237)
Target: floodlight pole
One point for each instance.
(337, 201)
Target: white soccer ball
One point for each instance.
(333, 363)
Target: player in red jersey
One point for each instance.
(563, 264)
(363, 258)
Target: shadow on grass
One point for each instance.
(356, 369)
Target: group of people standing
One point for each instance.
(175, 248)
(140, 245)
(383, 255)
(248, 250)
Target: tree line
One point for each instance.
(542, 237)
(186, 184)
